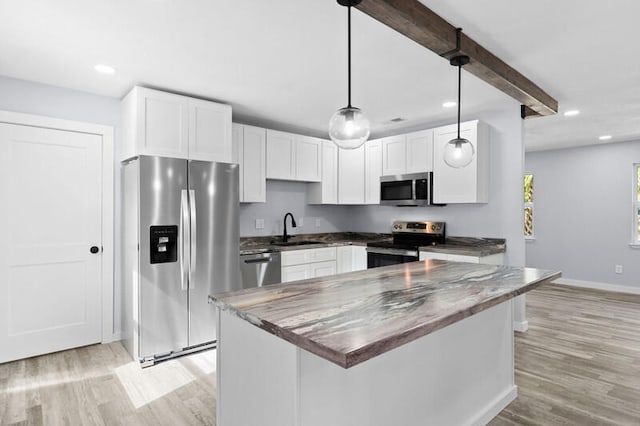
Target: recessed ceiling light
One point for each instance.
(449, 104)
(104, 69)
(571, 113)
(605, 137)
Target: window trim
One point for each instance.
(533, 212)
(635, 205)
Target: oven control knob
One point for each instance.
(433, 227)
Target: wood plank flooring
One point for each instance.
(579, 364)
(100, 385)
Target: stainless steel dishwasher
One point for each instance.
(260, 269)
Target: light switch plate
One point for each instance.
(259, 223)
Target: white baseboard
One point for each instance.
(496, 406)
(112, 338)
(598, 286)
(521, 326)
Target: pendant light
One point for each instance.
(349, 127)
(458, 152)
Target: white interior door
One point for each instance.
(50, 217)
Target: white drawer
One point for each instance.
(300, 257)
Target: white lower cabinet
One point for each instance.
(492, 259)
(308, 263)
(323, 269)
(351, 258)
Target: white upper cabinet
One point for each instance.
(372, 171)
(249, 150)
(394, 155)
(308, 159)
(209, 131)
(280, 155)
(169, 125)
(351, 176)
(326, 191)
(409, 153)
(293, 157)
(420, 151)
(468, 184)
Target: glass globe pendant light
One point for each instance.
(458, 152)
(349, 127)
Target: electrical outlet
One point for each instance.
(618, 269)
(300, 221)
(317, 223)
(259, 223)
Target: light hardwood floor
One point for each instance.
(579, 364)
(100, 385)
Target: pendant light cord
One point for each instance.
(459, 82)
(349, 55)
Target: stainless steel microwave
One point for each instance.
(415, 189)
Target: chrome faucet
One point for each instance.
(285, 237)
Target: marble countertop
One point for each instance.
(350, 318)
(252, 245)
(467, 246)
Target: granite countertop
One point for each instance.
(454, 245)
(252, 245)
(468, 246)
(350, 318)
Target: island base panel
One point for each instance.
(461, 374)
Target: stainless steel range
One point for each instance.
(408, 237)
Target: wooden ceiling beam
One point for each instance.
(425, 27)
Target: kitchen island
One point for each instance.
(420, 343)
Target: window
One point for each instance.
(636, 204)
(528, 206)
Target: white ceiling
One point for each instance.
(282, 63)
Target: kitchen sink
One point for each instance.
(295, 243)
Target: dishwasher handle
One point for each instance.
(259, 260)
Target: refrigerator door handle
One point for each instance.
(184, 246)
(193, 233)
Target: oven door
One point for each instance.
(378, 256)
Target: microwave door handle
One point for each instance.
(413, 189)
(183, 247)
(193, 233)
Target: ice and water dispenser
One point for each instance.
(164, 244)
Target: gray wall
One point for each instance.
(283, 197)
(41, 99)
(583, 212)
(502, 217)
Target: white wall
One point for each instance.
(502, 217)
(41, 99)
(583, 212)
(283, 197)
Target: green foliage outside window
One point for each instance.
(528, 203)
(528, 188)
(638, 184)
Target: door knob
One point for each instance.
(94, 249)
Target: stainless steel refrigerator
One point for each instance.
(180, 243)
